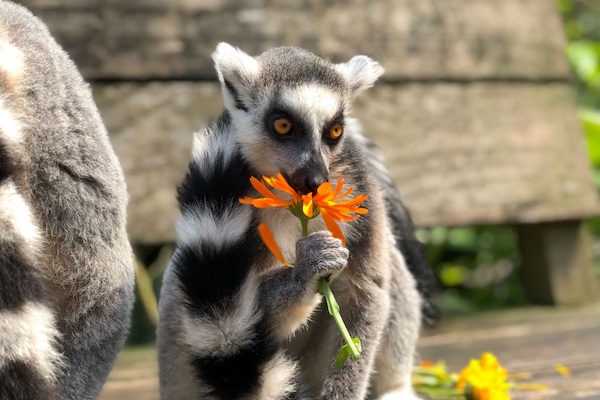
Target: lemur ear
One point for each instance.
(360, 72)
(237, 72)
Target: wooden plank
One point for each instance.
(461, 154)
(531, 339)
(151, 128)
(483, 153)
(527, 340)
(450, 39)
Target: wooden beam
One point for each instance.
(422, 40)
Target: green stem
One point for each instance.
(334, 311)
(304, 222)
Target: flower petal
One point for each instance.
(332, 226)
(280, 183)
(269, 241)
(261, 188)
(307, 205)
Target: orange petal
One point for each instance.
(269, 241)
(333, 226)
(264, 202)
(352, 202)
(339, 186)
(280, 183)
(324, 188)
(261, 187)
(346, 193)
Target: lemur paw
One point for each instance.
(320, 255)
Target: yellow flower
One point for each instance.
(484, 379)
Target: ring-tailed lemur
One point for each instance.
(234, 323)
(66, 271)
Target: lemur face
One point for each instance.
(288, 108)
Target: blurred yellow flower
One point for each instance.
(562, 369)
(484, 379)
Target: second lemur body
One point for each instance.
(235, 324)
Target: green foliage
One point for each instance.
(477, 267)
(582, 27)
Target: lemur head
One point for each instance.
(288, 108)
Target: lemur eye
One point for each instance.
(335, 131)
(282, 125)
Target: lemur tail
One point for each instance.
(29, 359)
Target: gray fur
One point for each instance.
(376, 291)
(68, 175)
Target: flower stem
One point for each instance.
(332, 305)
(304, 222)
(334, 311)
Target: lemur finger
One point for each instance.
(319, 255)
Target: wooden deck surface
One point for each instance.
(525, 340)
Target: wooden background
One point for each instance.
(475, 112)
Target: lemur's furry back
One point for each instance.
(66, 276)
(235, 324)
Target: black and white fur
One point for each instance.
(235, 324)
(66, 275)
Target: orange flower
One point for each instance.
(327, 202)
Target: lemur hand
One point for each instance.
(319, 255)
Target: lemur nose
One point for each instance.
(312, 182)
(305, 181)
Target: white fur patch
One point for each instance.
(203, 226)
(278, 378)
(230, 332)
(11, 61)
(299, 315)
(29, 335)
(16, 212)
(313, 100)
(212, 148)
(10, 127)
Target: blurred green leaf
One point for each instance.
(585, 57)
(453, 275)
(590, 120)
(462, 237)
(564, 6)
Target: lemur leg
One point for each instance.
(370, 305)
(394, 361)
(388, 339)
(29, 361)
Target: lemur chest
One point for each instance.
(287, 230)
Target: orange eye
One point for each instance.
(282, 126)
(335, 131)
